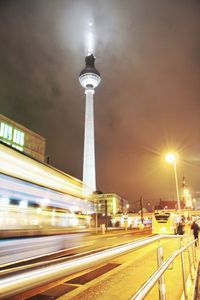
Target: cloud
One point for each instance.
(148, 55)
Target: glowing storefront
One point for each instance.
(21, 138)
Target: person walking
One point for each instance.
(180, 230)
(195, 228)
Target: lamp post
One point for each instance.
(141, 209)
(171, 158)
(98, 205)
(126, 217)
(95, 200)
(96, 217)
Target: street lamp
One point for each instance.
(171, 158)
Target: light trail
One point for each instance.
(20, 282)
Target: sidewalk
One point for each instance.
(122, 283)
(193, 286)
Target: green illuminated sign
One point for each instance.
(12, 136)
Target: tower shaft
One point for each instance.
(89, 172)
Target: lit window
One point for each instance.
(18, 137)
(6, 131)
(15, 136)
(2, 129)
(12, 136)
(21, 142)
(9, 133)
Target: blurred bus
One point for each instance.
(37, 199)
(164, 222)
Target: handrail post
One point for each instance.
(161, 280)
(195, 254)
(190, 264)
(183, 270)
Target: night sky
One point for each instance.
(148, 54)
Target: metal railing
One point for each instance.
(18, 283)
(163, 266)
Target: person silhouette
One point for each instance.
(195, 228)
(180, 230)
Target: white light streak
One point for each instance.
(33, 278)
(90, 40)
(12, 163)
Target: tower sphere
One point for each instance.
(89, 76)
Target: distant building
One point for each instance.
(169, 204)
(196, 202)
(22, 138)
(115, 203)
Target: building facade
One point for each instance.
(22, 138)
(111, 203)
(169, 204)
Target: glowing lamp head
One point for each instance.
(170, 158)
(89, 76)
(186, 192)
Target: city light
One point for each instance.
(170, 157)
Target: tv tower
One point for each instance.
(89, 79)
